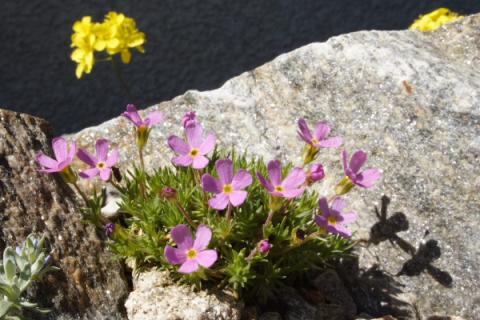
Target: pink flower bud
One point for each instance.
(264, 246)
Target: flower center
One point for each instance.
(194, 152)
(279, 188)
(227, 189)
(101, 165)
(315, 141)
(192, 254)
(332, 220)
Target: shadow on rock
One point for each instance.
(428, 251)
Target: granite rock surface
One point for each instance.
(412, 101)
(155, 296)
(90, 284)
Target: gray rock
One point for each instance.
(156, 297)
(271, 316)
(90, 283)
(410, 99)
(332, 288)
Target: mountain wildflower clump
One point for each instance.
(217, 218)
(434, 20)
(117, 34)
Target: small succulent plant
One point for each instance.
(18, 269)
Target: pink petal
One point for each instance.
(60, 148)
(219, 202)
(207, 258)
(323, 206)
(304, 131)
(46, 161)
(292, 193)
(203, 237)
(349, 217)
(105, 174)
(175, 256)
(225, 171)
(154, 118)
(132, 115)
(322, 129)
(241, 180)
(62, 165)
(86, 157)
(52, 170)
(183, 161)
(72, 152)
(182, 237)
(321, 221)
(199, 162)
(275, 172)
(367, 178)
(210, 184)
(189, 266)
(331, 142)
(267, 184)
(295, 179)
(338, 205)
(340, 230)
(208, 145)
(194, 135)
(357, 161)
(237, 197)
(89, 173)
(101, 146)
(112, 158)
(178, 145)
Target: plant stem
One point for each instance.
(185, 214)
(142, 161)
(228, 216)
(268, 221)
(82, 194)
(118, 72)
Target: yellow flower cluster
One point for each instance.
(434, 19)
(116, 34)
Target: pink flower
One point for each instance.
(229, 187)
(264, 246)
(315, 173)
(189, 253)
(364, 179)
(332, 219)
(189, 118)
(63, 156)
(101, 164)
(192, 153)
(152, 119)
(290, 187)
(319, 138)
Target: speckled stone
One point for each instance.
(410, 99)
(90, 283)
(156, 297)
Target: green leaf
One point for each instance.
(5, 305)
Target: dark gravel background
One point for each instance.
(192, 44)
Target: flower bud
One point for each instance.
(169, 193)
(316, 173)
(109, 229)
(264, 246)
(190, 118)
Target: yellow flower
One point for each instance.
(117, 34)
(83, 40)
(435, 19)
(125, 31)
